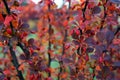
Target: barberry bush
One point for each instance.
(78, 41)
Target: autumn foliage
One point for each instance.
(82, 38)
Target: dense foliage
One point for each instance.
(83, 39)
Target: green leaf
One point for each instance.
(90, 70)
(54, 64)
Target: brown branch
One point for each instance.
(24, 49)
(105, 15)
(15, 61)
(12, 52)
(49, 43)
(118, 29)
(8, 11)
(84, 10)
(65, 39)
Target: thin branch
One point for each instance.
(84, 9)
(49, 43)
(118, 29)
(6, 6)
(25, 50)
(65, 39)
(14, 58)
(15, 61)
(8, 11)
(105, 15)
(12, 28)
(93, 72)
(60, 62)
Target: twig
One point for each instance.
(63, 52)
(105, 15)
(49, 44)
(25, 50)
(8, 11)
(15, 61)
(118, 29)
(14, 58)
(84, 9)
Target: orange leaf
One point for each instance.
(12, 68)
(1, 44)
(88, 27)
(52, 70)
(21, 67)
(98, 68)
(88, 17)
(15, 24)
(82, 0)
(111, 8)
(65, 23)
(64, 75)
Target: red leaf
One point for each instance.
(49, 78)
(67, 46)
(6, 72)
(32, 77)
(77, 31)
(1, 18)
(116, 41)
(9, 31)
(101, 60)
(8, 19)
